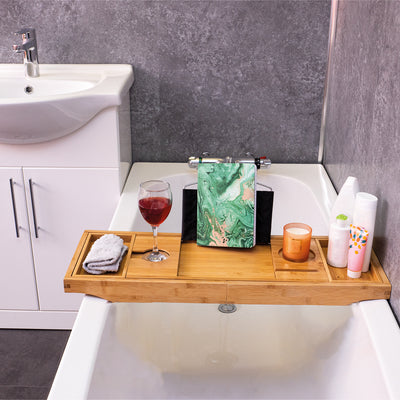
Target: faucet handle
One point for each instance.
(26, 33)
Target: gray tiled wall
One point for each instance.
(218, 76)
(363, 117)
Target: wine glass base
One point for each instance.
(156, 256)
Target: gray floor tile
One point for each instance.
(23, 393)
(29, 361)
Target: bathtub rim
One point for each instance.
(78, 361)
(384, 332)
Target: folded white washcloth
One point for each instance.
(105, 255)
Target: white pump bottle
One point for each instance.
(338, 245)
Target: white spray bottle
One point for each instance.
(344, 203)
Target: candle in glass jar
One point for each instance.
(296, 241)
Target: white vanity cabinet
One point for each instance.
(47, 211)
(50, 193)
(17, 281)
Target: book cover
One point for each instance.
(226, 205)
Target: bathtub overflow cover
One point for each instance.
(28, 89)
(227, 308)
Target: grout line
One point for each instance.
(331, 43)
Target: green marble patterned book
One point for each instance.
(226, 205)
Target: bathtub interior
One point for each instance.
(294, 201)
(164, 350)
(172, 351)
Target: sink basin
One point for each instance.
(60, 101)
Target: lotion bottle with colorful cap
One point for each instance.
(338, 245)
(364, 215)
(357, 245)
(344, 203)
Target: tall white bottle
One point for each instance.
(364, 216)
(344, 203)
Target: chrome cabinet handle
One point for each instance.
(14, 208)
(35, 226)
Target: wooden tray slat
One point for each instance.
(340, 274)
(89, 239)
(140, 268)
(214, 263)
(312, 270)
(195, 274)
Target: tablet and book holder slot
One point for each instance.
(264, 207)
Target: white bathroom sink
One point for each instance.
(61, 100)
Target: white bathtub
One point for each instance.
(193, 351)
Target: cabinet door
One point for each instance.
(62, 203)
(17, 280)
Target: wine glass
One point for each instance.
(155, 201)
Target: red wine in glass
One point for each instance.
(155, 209)
(155, 201)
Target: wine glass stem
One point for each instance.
(155, 244)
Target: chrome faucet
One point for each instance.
(30, 50)
(260, 162)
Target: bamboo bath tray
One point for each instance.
(194, 274)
